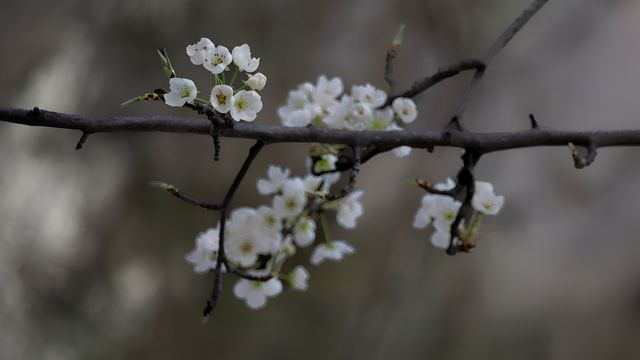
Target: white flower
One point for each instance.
(244, 242)
(182, 91)
(405, 108)
(217, 59)
(203, 257)
(362, 114)
(402, 151)
(369, 95)
(338, 114)
(298, 111)
(350, 210)
(198, 51)
(257, 81)
(277, 178)
(268, 220)
(299, 278)
(246, 105)
(446, 186)
(484, 200)
(242, 58)
(438, 208)
(382, 120)
(304, 232)
(441, 238)
(326, 91)
(292, 201)
(326, 163)
(255, 293)
(222, 98)
(334, 250)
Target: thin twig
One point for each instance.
(498, 45)
(82, 140)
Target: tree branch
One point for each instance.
(497, 46)
(478, 142)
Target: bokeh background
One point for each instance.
(91, 257)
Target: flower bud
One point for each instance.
(257, 81)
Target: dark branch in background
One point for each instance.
(82, 140)
(503, 40)
(224, 212)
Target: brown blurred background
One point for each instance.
(91, 257)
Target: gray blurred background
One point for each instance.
(91, 257)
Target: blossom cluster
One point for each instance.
(325, 105)
(243, 103)
(260, 240)
(441, 211)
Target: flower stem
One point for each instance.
(326, 230)
(235, 74)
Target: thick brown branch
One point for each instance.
(478, 142)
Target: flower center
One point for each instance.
(246, 247)
(222, 99)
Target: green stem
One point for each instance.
(325, 229)
(235, 74)
(224, 80)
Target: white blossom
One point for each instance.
(362, 114)
(338, 114)
(298, 111)
(326, 91)
(246, 105)
(400, 151)
(244, 240)
(255, 293)
(334, 250)
(222, 98)
(257, 81)
(382, 119)
(293, 199)
(242, 58)
(405, 108)
(299, 278)
(203, 257)
(304, 233)
(277, 177)
(485, 200)
(327, 162)
(440, 209)
(369, 95)
(198, 51)
(217, 60)
(182, 91)
(349, 210)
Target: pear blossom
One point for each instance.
(292, 201)
(369, 95)
(268, 220)
(222, 98)
(304, 233)
(440, 209)
(182, 91)
(405, 108)
(198, 51)
(255, 293)
(244, 242)
(277, 177)
(326, 163)
(242, 58)
(298, 111)
(350, 209)
(326, 91)
(246, 105)
(449, 184)
(400, 151)
(381, 120)
(217, 60)
(485, 200)
(256, 81)
(362, 114)
(203, 257)
(299, 278)
(339, 113)
(334, 250)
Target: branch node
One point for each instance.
(83, 139)
(534, 123)
(582, 161)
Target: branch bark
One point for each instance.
(479, 142)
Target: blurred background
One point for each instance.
(91, 257)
